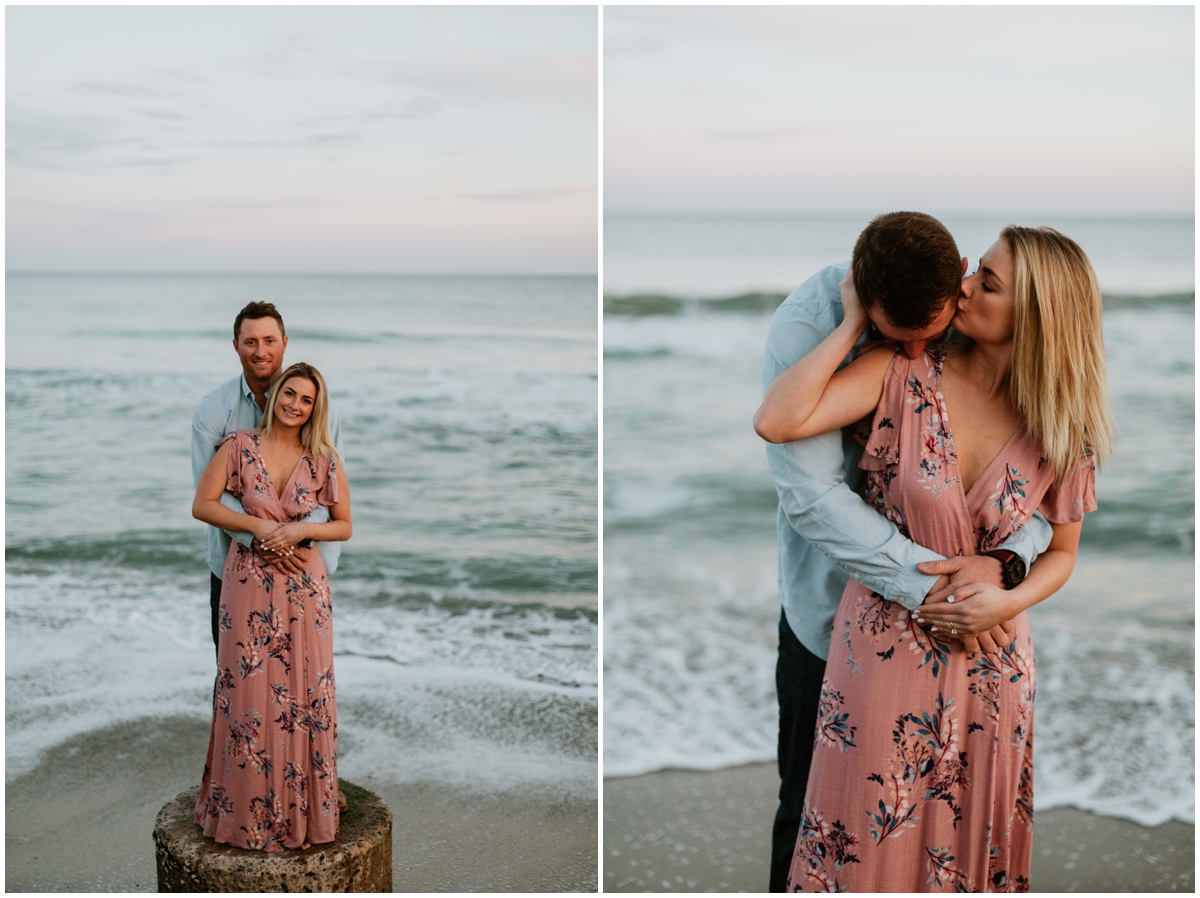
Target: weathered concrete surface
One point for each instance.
(358, 860)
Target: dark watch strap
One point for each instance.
(1012, 566)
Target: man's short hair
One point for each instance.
(257, 310)
(907, 265)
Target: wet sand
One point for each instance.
(683, 831)
(81, 821)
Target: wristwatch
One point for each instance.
(1012, 566)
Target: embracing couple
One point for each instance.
(266, 459)
(932, 436)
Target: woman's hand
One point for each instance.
(971, 610)
(856, 318)
(282, 538)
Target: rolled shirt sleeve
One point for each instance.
(1031, 540)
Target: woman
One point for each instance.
(922, 776)
(270, 778)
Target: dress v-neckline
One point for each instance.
(940, 395)
(995, 458)
(267, 471)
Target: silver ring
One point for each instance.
(953, 632)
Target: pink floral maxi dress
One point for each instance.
(270, 778)
(922, 769)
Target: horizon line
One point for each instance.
(227, 273)
(784, 213)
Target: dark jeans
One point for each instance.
(214, 595)
(798, 676)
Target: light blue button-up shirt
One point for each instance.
(228, 408)
(826, 531)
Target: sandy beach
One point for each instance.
(683, 831)
(81, 821)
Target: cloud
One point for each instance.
(158, 163)
(106, 88)
(56, 140)
(332, 139)
(163, 115)
(419, 108)
(635, 46)
(521, 196)
(282, 52)
(556, 79)
(777, 133)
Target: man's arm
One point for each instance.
(208, 429)
(809, 476)
(1031, 540)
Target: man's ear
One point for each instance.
(964, 271)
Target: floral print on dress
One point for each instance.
(273, 746)
(988, 673)
(820, 846)
(873, 615)
(833, 728)
(935, 793)
(937, 468)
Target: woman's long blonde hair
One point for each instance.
(314, 435)
(1059, 379)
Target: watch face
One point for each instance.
(1014, 570)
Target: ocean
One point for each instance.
(691, 604)
(465, 606)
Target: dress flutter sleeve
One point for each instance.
(328, 493)
(233, 464)
(1067, 503)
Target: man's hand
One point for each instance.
(956, 573)
(852, 307)
(291, 562)
(959, 571)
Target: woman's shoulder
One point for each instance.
(242, 438)
(878, 356)
(321, 464)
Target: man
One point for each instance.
(260, 341)
(906, 270)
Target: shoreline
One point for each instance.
(706, 831)
(81, 821)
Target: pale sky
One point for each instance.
(970, 110)
(330, 139)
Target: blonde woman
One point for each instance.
(270, 778)
(922, 776)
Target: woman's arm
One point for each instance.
(337, 529)
(812, 396)
(981, 606)
(206, 506)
